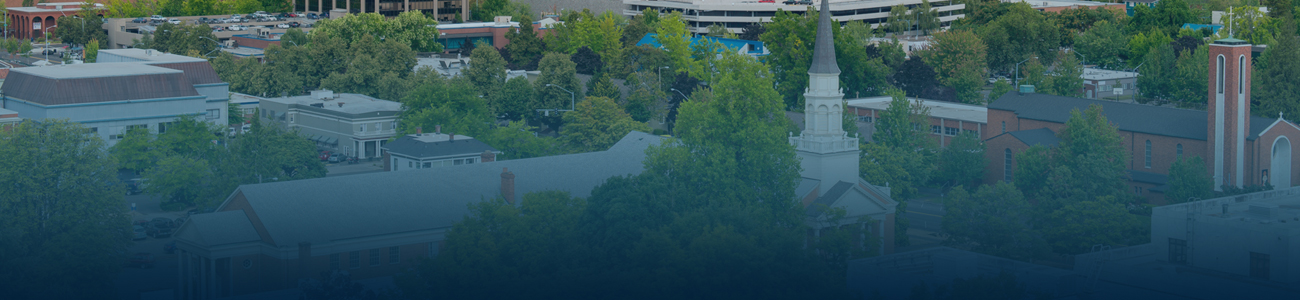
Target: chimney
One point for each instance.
(437, 129)
(451, 136)
(304, 259)
(488, 156)
(419, 130)
(508, 185)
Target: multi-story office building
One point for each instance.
(356, 125)
(735, 14)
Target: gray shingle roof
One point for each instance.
(218, 228)
(410, 147)
(338, 208)
(823, 61)
(1166, 121)
(97, 82)
(1041, 136)
(828, 199)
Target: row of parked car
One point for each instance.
(156, 228)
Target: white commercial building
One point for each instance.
(736, 14)
(1101, 83)
(1255, 235)
(356, 125)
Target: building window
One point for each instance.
(334, 261)
(1180, 150)
(458, 162)
(1137, 190)
(433, 249)
(1148, 155)
(1006, 165)
(936, 129)
(410, 164)
(214, 114)
(428, 165)
(374, 257)
(94, 130)
(1004, 126)
(395, 164)
(393, 125)
(1241, 75)
(1177, 251)
(951, 131)
(865, 119)
(1218, 75)
(354, 259)
(115, 133)
(361, 128)
(393, 254)
(1259, 265)
(162, 127)
(469, 161)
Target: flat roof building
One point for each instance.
(1103, 84)
(430, 150)
(947, 119)
(736, 14)
(354, 124)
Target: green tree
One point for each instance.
(518, 140)
(1278, 72)
(994, 220)
(962, 161)
(1188, 180)
(413, 28)
(515, 99)
(1142, 44)
(602, 34)
(179, 39)
(487, 70)
(1192, 71)
(187, 136)
(200, 8)
(453, 104)
(602, 86)
(898, 21)
(92, 51)
(1020, 33)
(379, 69)
(1000, 87)
(129, 9)
(645, 100)
(82, 28)
(789, 37)
(1076, 227)
(1103, 44)
(178, 179)
(1067, 76)
(959, 59)
(234, 115)
(597, 124)
(135, 151)
(63, 226)
(1158, 73)
(927, 18)
(1166, 17)
(11, 45)
(524, 46)
(558, 70)
(672, 34)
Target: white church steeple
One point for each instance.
(828, 153)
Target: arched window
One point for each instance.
(1180, 151)
(1148, 156)
(1241, 75)
(1218, 75)
(1006, 165)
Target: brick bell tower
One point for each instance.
(1229, 110)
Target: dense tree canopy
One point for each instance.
(1020, 33)
(64, 230)
(597, 124)
(958, 57)
(994, 220)
(413, 28)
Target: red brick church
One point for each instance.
(1238, 149)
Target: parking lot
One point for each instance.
(133, 281)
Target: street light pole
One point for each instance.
(1017, 87)
(1138, 70)
(572, 99)
(46, 31)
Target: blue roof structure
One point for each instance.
(1198, 27)
(754, 48)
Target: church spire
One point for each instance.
(823, 61)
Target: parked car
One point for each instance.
(170, 247)
(139, 232)
(236, 18)
(336, 157)
(181, 220)
(174, 21)
(163, 223)
(282, 15)
(142, 260)
(140, 20)
(282, 26)
(237, 27)
(295, 24)
(246, 128)
(50, 51)
(157, 18)
(325, 155)
(158, 233)
(312, 16)
(141, 223)
(204, 20)
(131, 187)
(325, 14)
